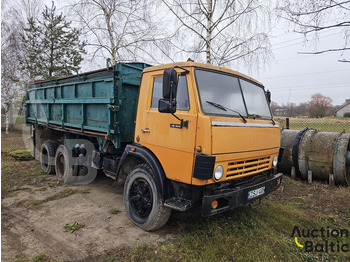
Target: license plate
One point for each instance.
(256, 192)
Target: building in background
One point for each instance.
(344, 110)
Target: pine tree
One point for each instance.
(53, 46)
(30, 41)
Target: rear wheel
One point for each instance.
(65, 170)
(142, 200)
(47, 156)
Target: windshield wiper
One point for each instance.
(225, 109)
(258, 116)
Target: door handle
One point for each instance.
(145, 131)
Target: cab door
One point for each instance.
(161, 132)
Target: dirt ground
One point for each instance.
(35, 209)
(31, 228)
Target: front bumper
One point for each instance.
(238, 197)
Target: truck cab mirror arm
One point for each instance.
(183, 123)
(165, 106)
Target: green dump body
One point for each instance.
(99, 103)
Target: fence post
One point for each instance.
(331, 181)
(309, 176)
(292, 173)
(287, 123)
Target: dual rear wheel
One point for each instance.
(55, 158)
(47, 156)
(65, 169)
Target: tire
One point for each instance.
(142, 200)
(65, 170)
(47, 156)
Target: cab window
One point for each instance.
(182, 99)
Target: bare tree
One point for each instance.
(318, 15)
(30, 8)
(320, 105)
(119, 30)
(14, 14)
(223, 31)
(10, 48)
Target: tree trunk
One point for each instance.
(10, 116)
(7, 119)
(108, 16)
(209, 31)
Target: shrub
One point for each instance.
(22, 155)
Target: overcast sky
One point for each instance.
(294, 77)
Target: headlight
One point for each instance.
(219, 171)
(274, 161)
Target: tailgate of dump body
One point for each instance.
(101, 102)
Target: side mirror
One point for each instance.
(169, 84)
(268, 96)
(164, 106)
(168, 103)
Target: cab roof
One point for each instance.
(200, 65)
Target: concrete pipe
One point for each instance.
(341, 159)
(287, 140)
(323, 153)
(303, 153)
(290, 141)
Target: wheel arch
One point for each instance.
(137, 154)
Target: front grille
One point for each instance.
(248, 167)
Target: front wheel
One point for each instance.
(142, 200)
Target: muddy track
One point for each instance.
(34, 229)
(35, 237)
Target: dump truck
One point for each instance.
(179, 135)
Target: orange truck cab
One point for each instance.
(209, 137)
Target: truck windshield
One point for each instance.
(230, 92)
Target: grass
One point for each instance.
(113, 211)
(326, 124)
(65, 193)
(245, 234)
(73, 227)
(14, 173)
(22, 155)
(39, 258)
(322, 127)
(17, 119)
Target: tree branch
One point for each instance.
(325, 51)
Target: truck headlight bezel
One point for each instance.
(218, 172)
